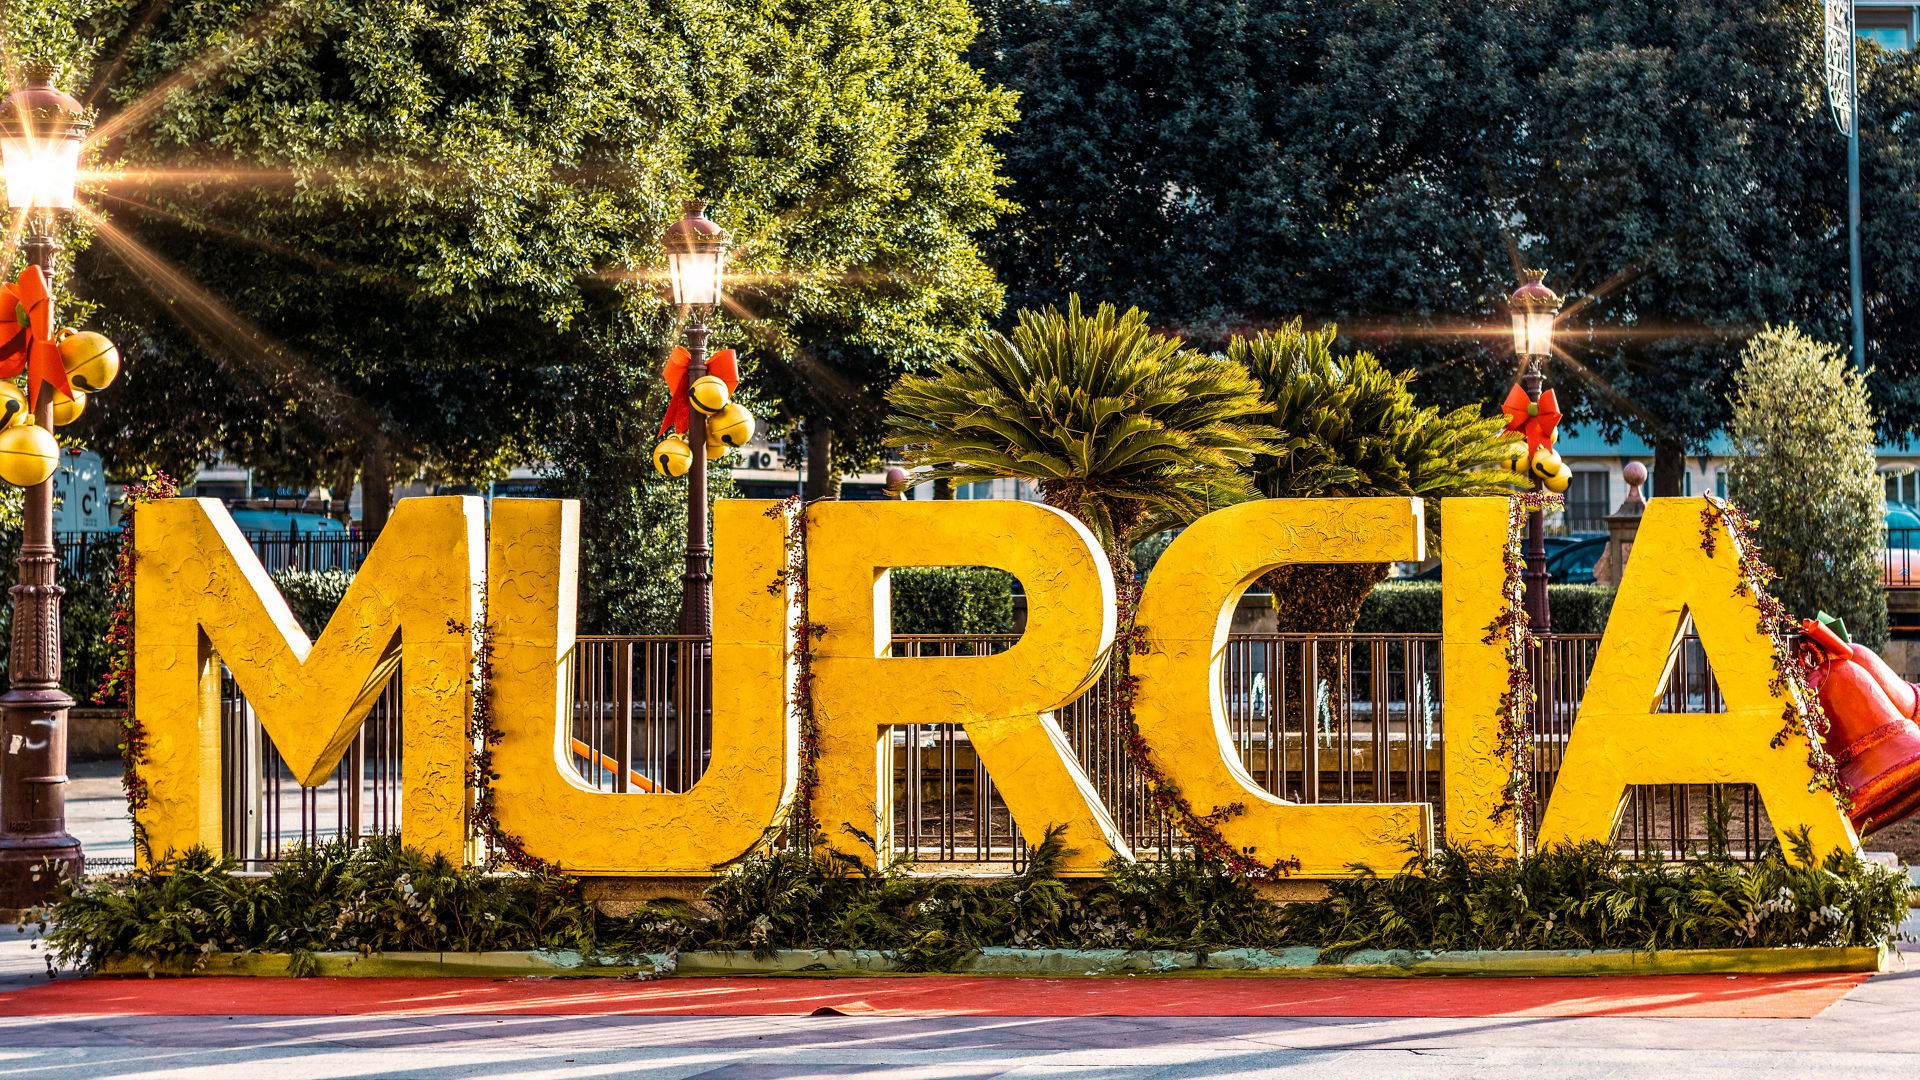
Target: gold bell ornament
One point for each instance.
(717, 449)
(92, 362)
(28, 454)
(733, 425)
(673, 457)
(1515, 459)
(1546, 462)
(1559, 482)
(13, 404)
(67, 408)
(708, 394)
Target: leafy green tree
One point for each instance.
(1803, 432)
(374, 238)
(1228, 164)
(1124, 428)
(1349, 428)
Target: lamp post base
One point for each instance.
(36, 851)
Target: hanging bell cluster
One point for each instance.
(28, 452)
(1544, 465)
(729, 425)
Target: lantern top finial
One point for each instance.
(694, 231)
(1534, 295)
(41, 110)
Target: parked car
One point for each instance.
(1555, 545)
(284, 522)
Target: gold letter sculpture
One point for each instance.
(1004, 702)
(1186, 612)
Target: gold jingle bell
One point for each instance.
(92, 362)
(67, 409)
(1559, 482)
(13, 404)
(673, 457)
(28, 454)
(733, 426)
(708, 395)
(1515, 459)
(1546, 463)
(717, 450)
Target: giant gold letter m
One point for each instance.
(202, 598)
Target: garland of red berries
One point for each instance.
(116, 689)
(502, 847)
(1512, 628)
(806, 635)
(1802, 714)
(1201, 830)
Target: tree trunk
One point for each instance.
(341, 508)
(376, 489)
(1669, 470)
(943, 489)
(823, 480)
(1321, 598)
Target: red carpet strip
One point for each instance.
(1758, 996)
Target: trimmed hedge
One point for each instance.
(313, 594)
(952, 600)
(1413, 607)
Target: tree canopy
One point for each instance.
(1229, 164)
(330, 230)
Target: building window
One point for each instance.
(1720, 482)
(1587, 502)
(1889, 27)
(1903, 487)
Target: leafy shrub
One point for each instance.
(379, 896)
(313, 595)
(1413, 607)
(1804, 470)
(85, 611)
(952, 600)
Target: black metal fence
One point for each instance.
(1355, 718)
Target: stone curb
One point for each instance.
(1278, 963)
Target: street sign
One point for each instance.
(1839, 50)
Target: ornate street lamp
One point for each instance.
(696, 268)
(1534, 308)
(41, 132)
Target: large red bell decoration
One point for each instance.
(1874, 741)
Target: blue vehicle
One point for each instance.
(285, 522)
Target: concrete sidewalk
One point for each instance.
(1874, 1031)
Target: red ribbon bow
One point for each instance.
(1536, 424)
(27, 306)
(720, 365)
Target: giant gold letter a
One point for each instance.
(201, 598)
(1619, 738)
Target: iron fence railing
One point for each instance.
(1314, 719)
(84, 554)
(1902, 565)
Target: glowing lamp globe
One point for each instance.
(28, 455)
(673, 457)
(92, 362)
(67, 408)
(41, 131)
(1534, 307)
(708, 395)
(897, 480)
(696, 257)
(733, 426)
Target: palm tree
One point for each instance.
(1350, 428)
(1125, 429)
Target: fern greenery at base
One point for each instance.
(381, 897)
